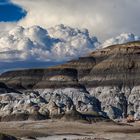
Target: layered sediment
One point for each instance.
(109, 75)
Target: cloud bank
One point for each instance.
(55, 44)
(122, 38)
(59, 43)
(103, 18)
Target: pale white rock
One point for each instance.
(112, 98)
(77, 95)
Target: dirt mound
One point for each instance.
(15, 117)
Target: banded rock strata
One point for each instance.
(106, 81)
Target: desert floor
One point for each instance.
(57, 130)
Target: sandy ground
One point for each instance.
(57, 130)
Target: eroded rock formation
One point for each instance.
(106, 81)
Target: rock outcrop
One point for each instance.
(7, 137)
(43, 104)
(106, 81)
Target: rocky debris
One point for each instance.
(92, 139)
(73, 115)
(7, 137)
(37, 116)
(29, 138)
(107, 81)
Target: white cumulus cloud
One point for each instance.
(122, 38)
(59, 43)
(104, 18)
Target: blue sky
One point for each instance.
(4, 1)
(10, 12)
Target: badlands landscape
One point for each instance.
(93, 97)
(69, 70)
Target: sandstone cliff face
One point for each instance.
(111, 75)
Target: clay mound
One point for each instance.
(92, 139)
(99, 118)
(23, 117)
(73, 115)
(37, 116)
(7, 137)
(15, 117)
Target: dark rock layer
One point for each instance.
(115, 65)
